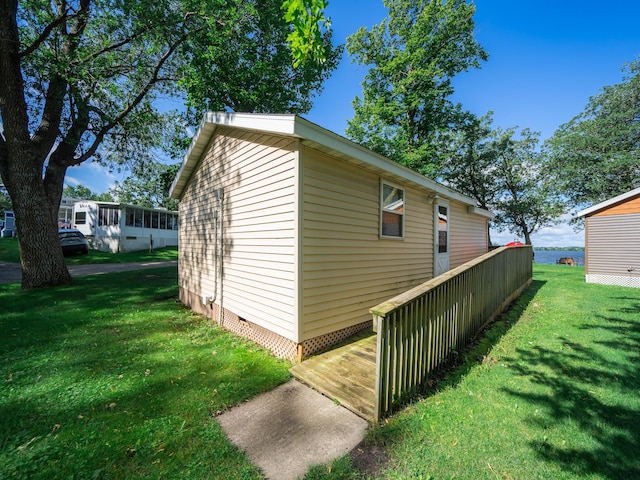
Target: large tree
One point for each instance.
(596, 155)
(525, 201)
(412, 57)
(504, 171)
(79, 80)
(148, 186)
(470, 162)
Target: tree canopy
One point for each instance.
(84, 193)
(250, 67)
(524, 202)
(5, 202)
(148, 186)
(83, 79)
(596, 155)
(505, 172)
(412, 56)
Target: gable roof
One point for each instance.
(315, 137)
(609, 203)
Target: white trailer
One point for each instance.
(117, 227)
(9, 224)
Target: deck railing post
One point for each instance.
(381, 352)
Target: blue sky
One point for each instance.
(546, 58)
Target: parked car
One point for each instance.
(73, 241)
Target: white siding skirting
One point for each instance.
(620, 280)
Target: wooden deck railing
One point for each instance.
(419, 330)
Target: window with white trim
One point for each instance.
(391, 211)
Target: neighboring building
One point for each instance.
(612, 240)
(116, 227)
(65, 212)
(9, 224)
(65, 216)
(289, 233)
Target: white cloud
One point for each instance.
(69, 180)
(92, 175)
(560, 235)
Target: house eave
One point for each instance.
(608, 203)
(312, 136)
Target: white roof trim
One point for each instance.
(481, 211)
(295, 126)
(123, 205)
(608, 203)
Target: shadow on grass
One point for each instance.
(609, 422)
(368, 458)
(485, 340)
(110, 374)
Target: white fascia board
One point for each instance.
(268, 123)
(608, 203)
(190, 159)
(481, 211)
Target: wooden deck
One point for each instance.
(346, 374)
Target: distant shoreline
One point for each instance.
(560, 249)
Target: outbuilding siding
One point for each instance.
(347, 266)
(468, 234)
(613, 245)
(257, 174)
(304, 260)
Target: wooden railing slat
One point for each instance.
(418, 330)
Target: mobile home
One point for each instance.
(289, 233)
(9, 224)
(116, 227)
(65, 212)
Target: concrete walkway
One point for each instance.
(12, 272)
(289, 429)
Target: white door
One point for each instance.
(441, 238)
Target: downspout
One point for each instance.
(218, 254)
(220, 195)
(210, 299)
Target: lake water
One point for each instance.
(552, 256)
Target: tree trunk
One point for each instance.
(22, 157)
(36, 225)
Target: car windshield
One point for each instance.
(70, 235)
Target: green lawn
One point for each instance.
(112, 378)
(551, 391)
(9, 253)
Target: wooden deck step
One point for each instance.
(346, 374)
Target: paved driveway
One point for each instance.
(12, 272)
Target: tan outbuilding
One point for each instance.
(289, 233)
(612, 240)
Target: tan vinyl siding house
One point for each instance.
(612, 241)
(289, 233)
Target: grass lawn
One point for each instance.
(110, 378)
(551, 391)
(9, 252)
